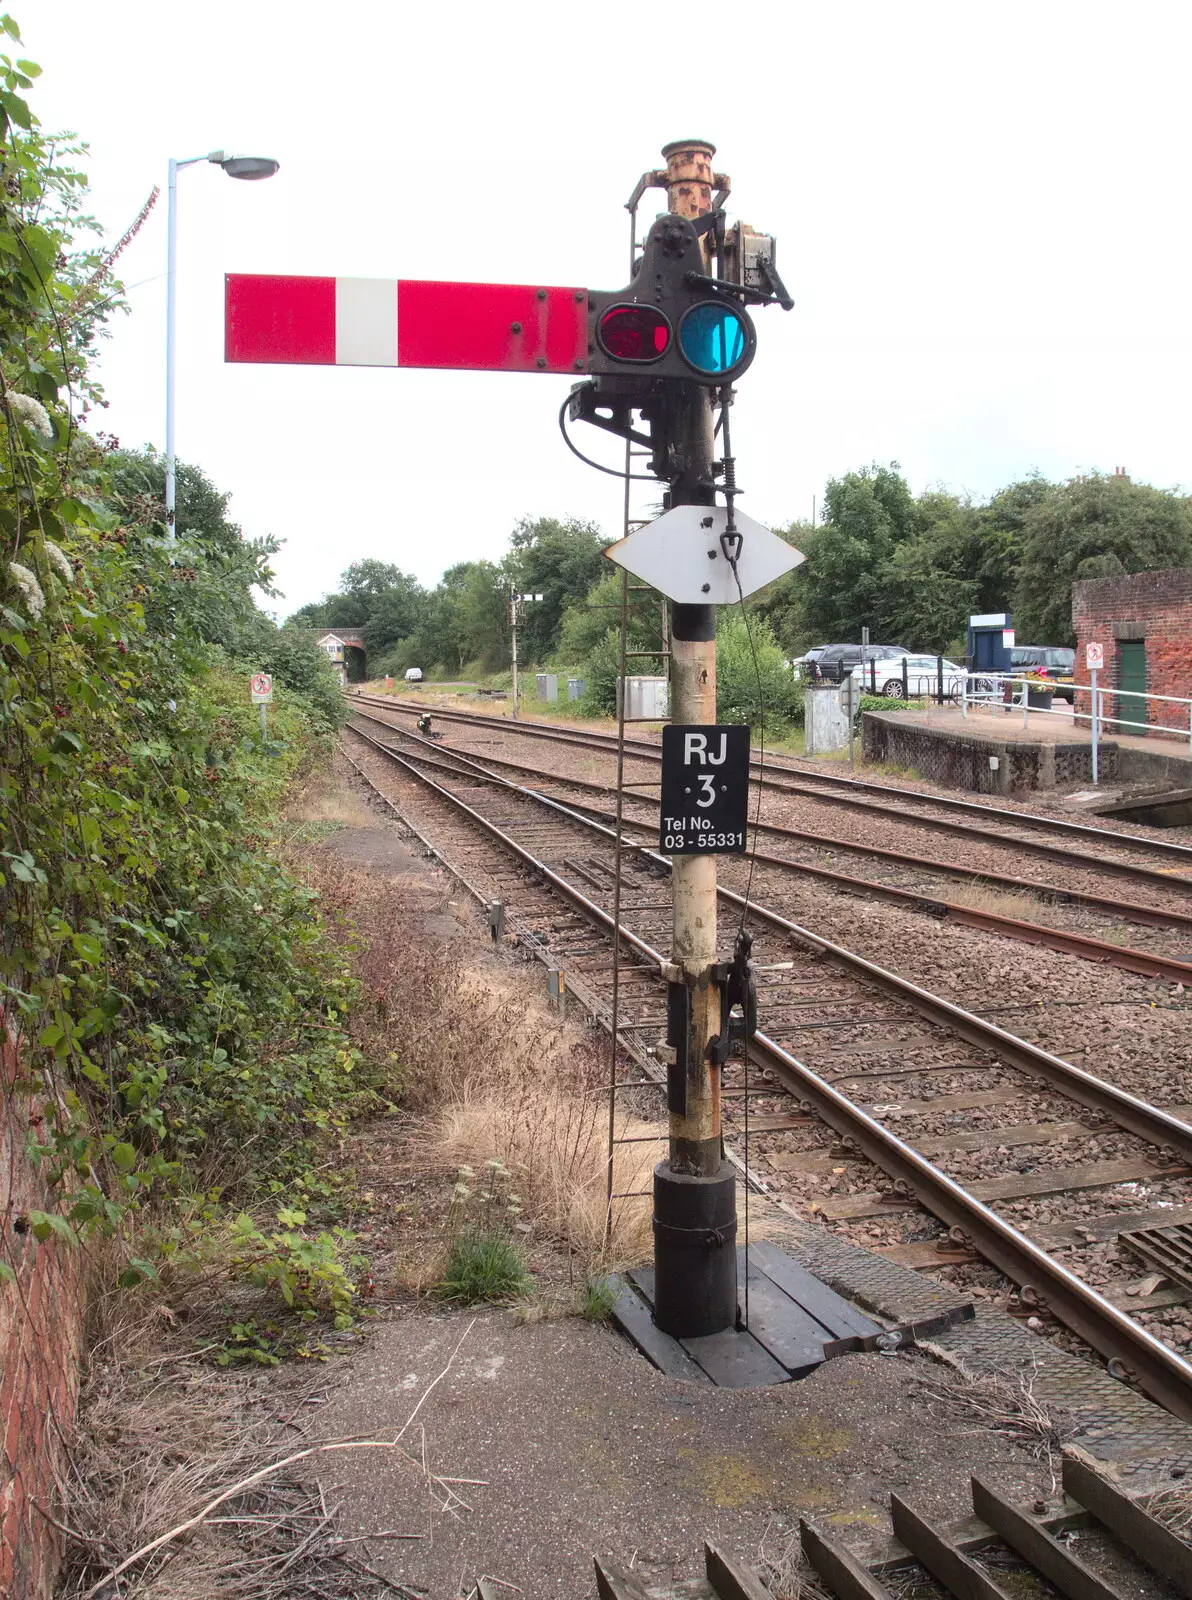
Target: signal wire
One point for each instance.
(613, 472)
(730, 546)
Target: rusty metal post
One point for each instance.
(694, 1189)
(514, 602)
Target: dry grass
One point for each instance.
(1003, 1402)
(322, 806)
(975, 897)
(190, 1485)
(1173, 1508)
(783, 1568)
(152, 1453)
(483, 1069)
(555, 1143)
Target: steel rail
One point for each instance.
(1156, 1126)
(1164, 1375)
(651, 751)
(574, 896)
(1040, 847)
(1128, 910)
(1084, 946)
(1158, 1370)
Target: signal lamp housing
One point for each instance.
(673, 318)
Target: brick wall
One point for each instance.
(1153, 606)
(41, 1340)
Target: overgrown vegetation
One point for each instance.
(494, 1082)
(484, 1261)
(179, 1007)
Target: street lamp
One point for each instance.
(249, 168)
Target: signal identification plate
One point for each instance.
(705, 790)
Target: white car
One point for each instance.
(413, 674)
(909, 677)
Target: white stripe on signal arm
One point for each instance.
(366, 322)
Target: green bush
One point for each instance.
(600, 670)
(753, 682)
(881, 702)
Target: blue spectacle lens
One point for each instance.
(712, 338)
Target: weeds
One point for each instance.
(979, 897)
(600, 1297)
(484, 1077)
(484, 1263)
(782, 1566)
(484, 1266)
(1004, 1402)
(1173, 1508)
(180, 1488)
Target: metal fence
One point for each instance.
(1011, 690)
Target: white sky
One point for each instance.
(981, 212)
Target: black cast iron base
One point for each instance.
(695, 1254)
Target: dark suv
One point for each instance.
(835, 661)
(1053, 662)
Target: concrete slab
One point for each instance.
(564, 1442)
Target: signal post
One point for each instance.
(652, 361)
(695, 1219)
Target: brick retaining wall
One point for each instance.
(41, 1342)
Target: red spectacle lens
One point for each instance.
(634, 333)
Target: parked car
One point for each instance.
(802, 665)
(835, 661)
(413, 674)
(908, 677)
(1053, 662)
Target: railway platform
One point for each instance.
(989, 751)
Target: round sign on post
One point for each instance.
(262, 688)
(1094, 657)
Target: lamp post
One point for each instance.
(247, 167)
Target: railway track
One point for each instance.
(968, 818)
(918, 1127)
(1006, 1549)
(641, 817)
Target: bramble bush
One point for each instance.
(179, 1007)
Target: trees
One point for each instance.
(844, 584)
(930, 582)
(466, 616)
(780, 602)
(913, 570)
(394, 613)
(1092, 526)
(1003, 523)
(558, 559)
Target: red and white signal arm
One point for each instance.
(1094, 656)
(262, 688)
(405, 322)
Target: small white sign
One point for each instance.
(681, 556)
(1007, 638)
(1094, 657)
(262, 688)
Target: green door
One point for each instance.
(1132, 682)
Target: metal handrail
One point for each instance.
(1096, 717)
